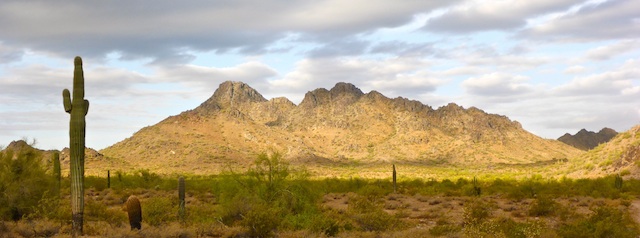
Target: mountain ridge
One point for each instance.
(586, 140)
(338, 125)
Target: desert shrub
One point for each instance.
(139, 179)
(542, 206)
(604, 222)
(51, 208)
(159, 210)
(370, 216)
(444, 227)
(509, 228)
(262, 221)
(97, 211)
(372, 191)
(268, 197)
(376, 220)
(476, 211)
(201, 213)
(23, 183)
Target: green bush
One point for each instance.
(262, 220)
(604, 222)
(267, 198)
(476, 211)
(542, 206)
(24, 181)
(97, 211)
(444, 227)
(370, 216)
(159, 210)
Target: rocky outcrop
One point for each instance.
(586, 140)
(231, 95)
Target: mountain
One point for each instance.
(92, 157)
(586, 140)
(620, 155)
(342, 125)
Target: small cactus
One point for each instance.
(181, 196)
(134, 210)
(56, 170)
(108, 179)
(618, 182)
(394, 178)
(476, 188)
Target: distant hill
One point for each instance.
(342, 125)
(92, 157)
(620, 155)
(586, 140)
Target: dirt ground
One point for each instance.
(425, 211)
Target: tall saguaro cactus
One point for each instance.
(181, 195)
(77, 107)
(394, 178)
(56, 171)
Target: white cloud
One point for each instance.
(392, 76)
(608, 83)
(576, 69)
(607, 52)
(497, 85)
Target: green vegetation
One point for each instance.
(24, 182)
(276, 199)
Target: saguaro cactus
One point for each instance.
(77, 107)
(182, 211)
(476, 187)
(618, 182)
(134, 210)
(394, 178)
(56, 170)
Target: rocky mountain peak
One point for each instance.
(608, 131)
(345, 89)
(18, 145)
(341, 93)
(237, 92)
(586, 140)
(230, 94)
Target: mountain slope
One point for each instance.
(329, 127)
(620, 155)
(586, 140)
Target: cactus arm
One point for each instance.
(86, 107)
(66, 100)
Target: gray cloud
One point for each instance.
(8, 55)
(404, 49)
(609, 51)
(613, 19)
(474, 16)
(163, 30)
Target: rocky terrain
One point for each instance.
(339, 126)
(621, 155)
(586, 140)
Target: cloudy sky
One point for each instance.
(555, 66)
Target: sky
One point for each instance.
(555, 66)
